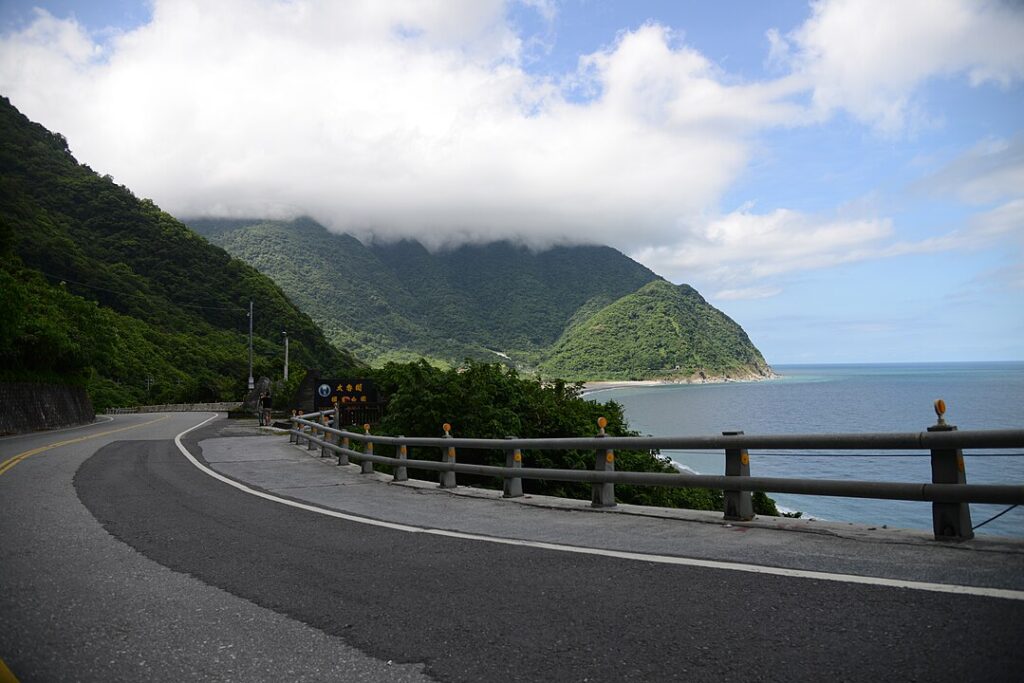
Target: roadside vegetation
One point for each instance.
(488, 400)
(104, 290)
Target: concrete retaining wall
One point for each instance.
(29, 407)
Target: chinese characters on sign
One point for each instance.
(346, 392)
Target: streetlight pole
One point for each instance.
(285, 356)
(252, 384)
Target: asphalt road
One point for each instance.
(76, 604)
(131, 564)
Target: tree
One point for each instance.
(491, 401)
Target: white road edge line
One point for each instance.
(980, 591)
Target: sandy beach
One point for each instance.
(594, 387)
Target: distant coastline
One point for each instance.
(887, 366)
(606, 385)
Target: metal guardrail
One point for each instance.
(948, 491)
(177, 408)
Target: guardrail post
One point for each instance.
(950, 521)
(738, 504)
(513, 486)
(336, 421)
(343, 457)
(447, 479)
(329, 438)
(367, 466)
(602, 495)
(312, 433)
(292, 438)
(401, 473)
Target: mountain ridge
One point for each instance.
(487, 301)
(407, 302)
(661, 331)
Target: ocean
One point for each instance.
(809, 399)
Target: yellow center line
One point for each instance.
(6, 675)
(14, 460)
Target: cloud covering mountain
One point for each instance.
(449, 122)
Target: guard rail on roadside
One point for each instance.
(948, 491)
(177, 408)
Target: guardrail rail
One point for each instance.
(948, 491)
(221, 407)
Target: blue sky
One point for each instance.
(844, 178)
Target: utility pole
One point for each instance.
(252, 384)
(285, 356)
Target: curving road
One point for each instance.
(120, 560)
(78, 604)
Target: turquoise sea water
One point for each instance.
(846, 398)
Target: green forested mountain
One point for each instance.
(341, 284)
(106, 290)
(578, 312)
(399, 301)
(660, 331)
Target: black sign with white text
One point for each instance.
(349, 393)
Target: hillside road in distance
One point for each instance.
(122, 560)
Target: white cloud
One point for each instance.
(747, 255)
(394, 118)
(648, 80)
(1004, 220)
(990, 171)
(743, 247)
(869, 56)
(419, 119)
(747, 293)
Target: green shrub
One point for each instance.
(491, 401)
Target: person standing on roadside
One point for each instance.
(267, 405)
